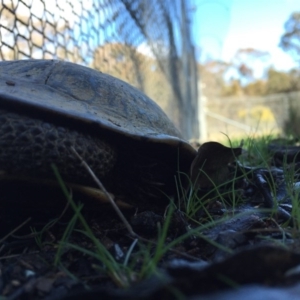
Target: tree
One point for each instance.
(233, 89)
(256, 88)
(282, 82)
(290, 40)
(212, 76)
(244, 61)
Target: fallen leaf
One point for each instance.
(210, 166)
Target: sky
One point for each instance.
(221, 27)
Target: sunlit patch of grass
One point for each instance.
(257, 156)
(256, 150)
(293, 193)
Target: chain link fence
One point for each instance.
(237, 117)
(146, 43)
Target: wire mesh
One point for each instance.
(146, 43)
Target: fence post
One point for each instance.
(202, 112)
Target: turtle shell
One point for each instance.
(77, 97)
(85, 95)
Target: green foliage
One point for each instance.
(212, 77)
(234, 88)
(292, 124)
(276, 82)
(281, 82)
(256, 88)
(290, 40)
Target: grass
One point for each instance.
(116, 271)
(121, 273)
(258, 155)
(144, 257)
(138, 264)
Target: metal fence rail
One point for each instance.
(146, 43)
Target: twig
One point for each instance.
(101, 186)
(118, 211)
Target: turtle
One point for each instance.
(49, 106)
